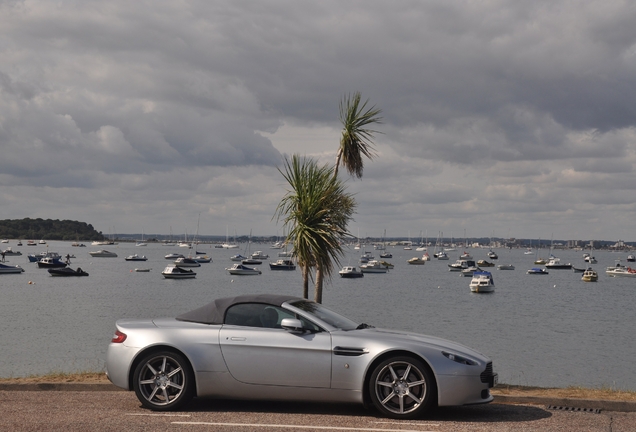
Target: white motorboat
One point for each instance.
(240, 269)
(631, 258)
(466, 256)
(416, 261)
(174, 272)
(136, 257)
(590, 259)
(251, 261)
(103, 253)
(10, 252)
(4, 269)
(350, 272)
(461, 264)
(186, 262)
(556, 264)
(4, 241)
(443, 256)
(238, 257)
(282, 264)
(482, 282)
(505, 267)
(373, 266)
(492, 255)
(42, 242)
(621, 272)
(173, 256)
(202, 259)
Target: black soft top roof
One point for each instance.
(214, 312)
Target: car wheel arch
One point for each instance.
(386, 355)
(152, 349)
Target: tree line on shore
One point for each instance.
(48, 229)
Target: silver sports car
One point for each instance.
(278, 347)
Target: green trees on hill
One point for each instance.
(48, 229)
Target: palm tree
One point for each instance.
(316, 212)
(356, 139)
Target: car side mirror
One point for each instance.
(292, 325)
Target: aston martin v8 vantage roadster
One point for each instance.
(276, 347)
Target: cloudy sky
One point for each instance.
(504, 118)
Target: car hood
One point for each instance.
(397, 337)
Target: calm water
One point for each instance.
(550, 330)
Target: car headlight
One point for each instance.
(459, 359)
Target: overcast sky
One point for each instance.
(504, 118)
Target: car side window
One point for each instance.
(256, 315)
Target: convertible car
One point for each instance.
(276, 347)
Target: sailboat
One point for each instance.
(169, 242)
(141, 242)
(422, 244)
(227, 244)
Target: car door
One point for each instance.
(256, 354)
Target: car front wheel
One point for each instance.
(402, 388)
(163, 381)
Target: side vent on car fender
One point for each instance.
(349, 351)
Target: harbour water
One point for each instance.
(540, 330)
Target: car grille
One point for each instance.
(486, 374)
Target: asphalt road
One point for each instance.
(120, 411)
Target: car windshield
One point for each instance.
(325, 315)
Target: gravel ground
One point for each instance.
(120, 411)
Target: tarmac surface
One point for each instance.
(103, 407)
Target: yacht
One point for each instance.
(482, 282)
(240, 269)
(350, 272)
(186, 262)
(103, 253)
(174, 272)
(373, 266)
(282, 264)
(136, 257)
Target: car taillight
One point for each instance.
(118, 337)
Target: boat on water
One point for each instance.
(67, 271)
(556, 264)
(416, 261)
(484, 263)
(482, 282)
(142, 270)
(631, 258)
(366, 257)
(282, 264)
(373, 266)
(49, 262)
(10, 252)
(492, 255)
(537, 270)
(442, 255)
(591, 259)
(589, 275)
(103, 253)
(186, 262)
(259, 255)
(621, 272)
(577, 269)
(505, 267)
(238, 257)
(466, 256)
(350, 272)
(31, 243)
(243, 270)
(386, 255)
(174, 272)
(38, 257)
(286, 254)
(460, 265)
(136, 257)
(174, 256)
(4, 241)
(203, 259)
(6, 269)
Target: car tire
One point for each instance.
(163, 381)
(402, 388)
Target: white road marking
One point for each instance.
(298, 427)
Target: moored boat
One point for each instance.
(136, 257)
(174, 272)
(416, 261)
(556, 264)
(186, 262)
(621, 272)
(49, 262)
(505, 267)
(350, 272)
(103, 253)
(67, 271)
(537, 270)
(6, 269)
(242, 270)
(589, 275)
(482, 282)
(373, 266)
(282, 264)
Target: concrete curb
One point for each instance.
(604, 405)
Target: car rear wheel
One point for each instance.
(163, 381)
(402, 388)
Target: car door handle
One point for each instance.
(239, 339)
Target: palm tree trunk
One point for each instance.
(305, 270)
(318, 286)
